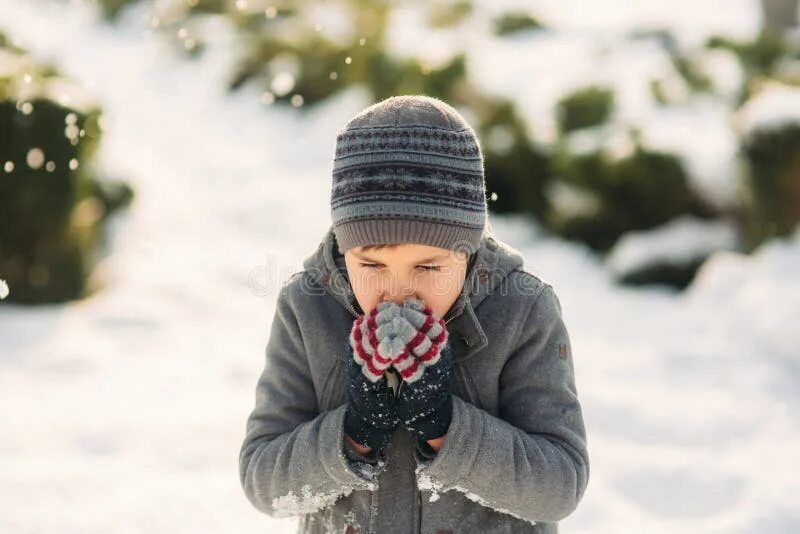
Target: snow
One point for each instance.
(700, 133)
(483, 502)
(775, 105)
(426, 483)
(677, 242)
(125, 413)
(725, 71)
(308, 502)
(690, 21)
(593, 39)
(571, 201)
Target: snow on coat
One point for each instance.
(515, 456)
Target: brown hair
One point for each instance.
(380, 246)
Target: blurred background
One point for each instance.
(165, 166)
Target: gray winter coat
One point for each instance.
(514, 459)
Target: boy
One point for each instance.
(417, 378)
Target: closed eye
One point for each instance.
(423, 267)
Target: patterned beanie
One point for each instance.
(408, 169)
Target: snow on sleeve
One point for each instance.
(426, 483)
(307, 502)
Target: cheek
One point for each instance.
(444, 284)
(365, 282)
(440, 292)
(365, 286)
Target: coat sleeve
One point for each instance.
(531, 461)
(292, 460)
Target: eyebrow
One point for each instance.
(427, 260)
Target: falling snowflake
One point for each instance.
(3, 289)
(35, 158)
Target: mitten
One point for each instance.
(424, 400)
(367, 338)
(370, 416)
(389, 339)
(429, 333)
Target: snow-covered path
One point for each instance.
(125, 413)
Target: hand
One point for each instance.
(370, 416)
(424, 402)
(394, 337)
(373, 340)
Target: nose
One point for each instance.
(398, 298)
(397, 288)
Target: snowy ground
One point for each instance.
(125, 413)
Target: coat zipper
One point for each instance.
(352, 310)
(419, 511)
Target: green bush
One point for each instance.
(111, 9)
(448, 14)
(772, 200)
(639, 191)
(514, 22)
(584, 108)
(759, 58)
(323, 67)
(678, 276)
(517, 172)
(52, 208)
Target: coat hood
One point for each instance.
(489, 265)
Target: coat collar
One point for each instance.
(489, 266)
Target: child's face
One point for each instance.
(434, 275)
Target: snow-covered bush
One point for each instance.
(517, 170)
(760, 58)
(584, 108)
(52, 208)
(771, 150)
(671, 253)
(634, 191)
(515, 21)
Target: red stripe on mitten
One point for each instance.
(408, 337)
(428, 340)
(365, 341)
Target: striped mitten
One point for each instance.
(373, 340)
(370, 416)
(429, 335)
(424, 402)
(408, 338)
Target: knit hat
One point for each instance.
(408, 169)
